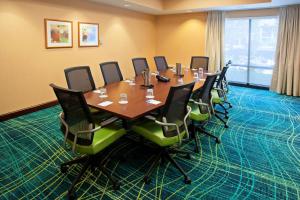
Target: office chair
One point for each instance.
(219, 97)
(85, 137)
(111, 72)
(169, 129)
(161, 63)
(81, 79)
(139, 64)
(201, 104)
(199, 62)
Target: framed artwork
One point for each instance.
(58, 33)
(88, 34)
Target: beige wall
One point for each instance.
(27, 67)
(181, 36)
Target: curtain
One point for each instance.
(286, 73)
(214, 40)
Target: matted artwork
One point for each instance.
(58, 33)
(88, 34)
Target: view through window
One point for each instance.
(250, 43)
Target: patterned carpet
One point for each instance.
(259, 158)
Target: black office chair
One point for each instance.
(139, 64)
(169, 129)
(80, 78)
(161, 63)
(111, 72)
(84, 136)
(201, 104)
(199, 62)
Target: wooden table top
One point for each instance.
(136, 94)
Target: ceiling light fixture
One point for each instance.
(127, 5)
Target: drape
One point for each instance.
(286, 73)
(215, 40)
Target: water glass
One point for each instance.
(103, 92)
(180, 81)
(201, 72)
(132, 81)
(123, 98)
(196, 75)
(149, 94)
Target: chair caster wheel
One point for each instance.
(196, 150)
(63, 169)
(116, 186)
(71, 195)
(188, 156)
(226, 126)
(187, 180)
(218, 141)
(230, 106)
(147, 180)
(226, 117)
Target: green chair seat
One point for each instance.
(196, 115)
(215, 97)
(153, 132)
(102, 138)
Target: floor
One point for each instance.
(259, 157)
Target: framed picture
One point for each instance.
(58, 33)
(88, 34)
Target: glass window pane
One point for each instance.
(236, 41)
(263, 41)
(237, 74)
(261, 76)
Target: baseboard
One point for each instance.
(249, 86)
(24, 111)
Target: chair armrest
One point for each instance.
(185, 121)
(170, 124)
(150, 117)
(108, 121)
(202, 104)
(77, 133)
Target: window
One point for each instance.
(250, 44)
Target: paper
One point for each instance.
(97, 91)
(105, 103)
(152, 101)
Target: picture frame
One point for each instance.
(58, 33)
(88, 34)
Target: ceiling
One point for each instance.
(163, 7)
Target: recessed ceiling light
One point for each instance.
(188, 11)
(127, 5)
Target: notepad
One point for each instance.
(97, 91)
(105, 103)
(154, 102)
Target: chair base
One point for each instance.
(163, 155)
(200, 129)
(92, 162)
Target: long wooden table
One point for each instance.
(136, 94)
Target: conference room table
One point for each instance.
(137, 105)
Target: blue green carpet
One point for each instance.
(259, 158)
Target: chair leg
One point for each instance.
(225, 110)
(222, 120)
(197, 143)
(218, 141)
(75, 161)
(228, 103)
(71, 193)
(186, 154)
(187, 180)
(151, 168)
(114, 181)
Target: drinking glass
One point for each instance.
(196, 75)
(103, 92)
(132, 81)
(149, 94)
(180, 81)
(123, 98)
(200, 72)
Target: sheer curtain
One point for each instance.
(286, 74)
(215, 39)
